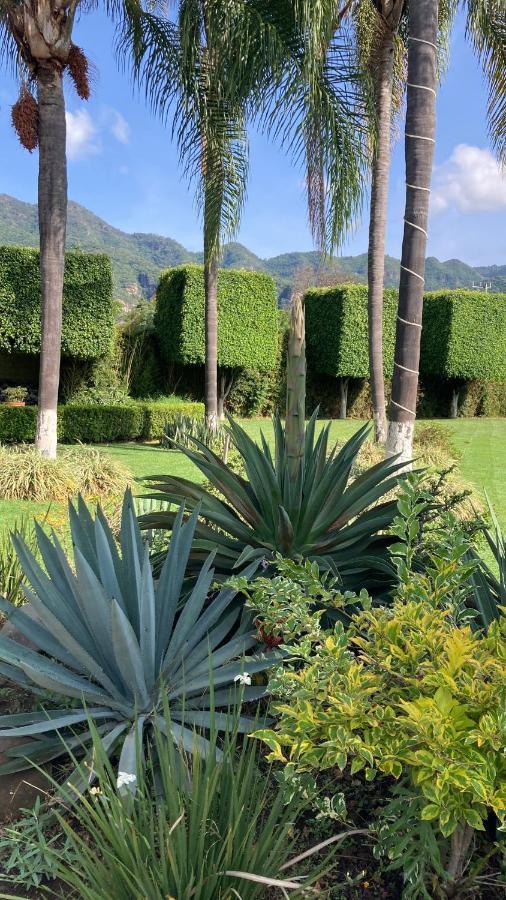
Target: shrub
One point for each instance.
(26, 475)
(405, 694)
(157, 413)
(186, 430)
(18, 424)
(464, 337)
(87, 303)
(247, 318)
(110, 638)
(336, 332)
(99, 423)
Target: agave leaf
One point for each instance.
(35, 632)
(192, 609)
(188, 739)
(225, 674)
(210, 719)
(168, 590)
(132, 552)
(147, 624)
(63, 721)
(127, 654)
(194, 655)
(107, 564)
(129, 758)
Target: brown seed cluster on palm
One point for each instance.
(25, 119)
(79, 71)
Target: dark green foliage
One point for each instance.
(322, 514)
(125, 648)
(87, 303)
(101, 424)
(247, 318)
(336, 330)
(98, 423)
(464, 335)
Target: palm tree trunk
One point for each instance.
(52, 201)
(419, 151)
(211, 339)
(377, 231)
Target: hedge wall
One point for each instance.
(464, 335)
(336, 330)
(97, 424)
(247, 318)
(87, 303)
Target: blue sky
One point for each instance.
(124, 168)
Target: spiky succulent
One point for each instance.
(489, 587)
(317, 513)
(122, 648)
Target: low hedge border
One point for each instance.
(142, 420)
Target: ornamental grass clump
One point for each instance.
(27, 475)
(111, 643)
(231, 835)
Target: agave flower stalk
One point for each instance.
(124, 647)
(296, 390)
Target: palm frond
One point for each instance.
(486, 28)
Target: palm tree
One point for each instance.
(41, 33)
(382, 53)
(227, 62)
(486, 26)
(419, 149)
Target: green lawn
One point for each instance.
(482, 443)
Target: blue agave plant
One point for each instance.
(123, 648)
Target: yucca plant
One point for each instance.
(298, 502)
(489, 588)
(113, 642)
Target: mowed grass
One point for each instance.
(481, 443)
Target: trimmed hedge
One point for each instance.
(87, 303)
(336, 330)
(247, 318)
(464, 335)
(97, 424)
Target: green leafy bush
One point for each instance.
(247, 318)
(26, 475)
(99, 423)
(121, 646)
(336, 330)
(87, 303)
(231, 835)
(464, 335)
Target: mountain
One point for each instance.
(137, 259)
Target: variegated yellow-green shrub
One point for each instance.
(403, 691)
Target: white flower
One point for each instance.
(125, 778)
(244, 678)
(95, 791)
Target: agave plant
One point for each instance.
(489, 588)
(118, 643)
(298, 502)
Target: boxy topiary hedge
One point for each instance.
(464, 335)
(336, 333)
(97, 424)
(87, 303)
(247, 318)
(464, 340)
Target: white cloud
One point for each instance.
(120, 128)
(82, 135)
(471, 180)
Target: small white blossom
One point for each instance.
(95, 791)
(244, 678)
(125, 778)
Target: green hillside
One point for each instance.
(137, 259)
